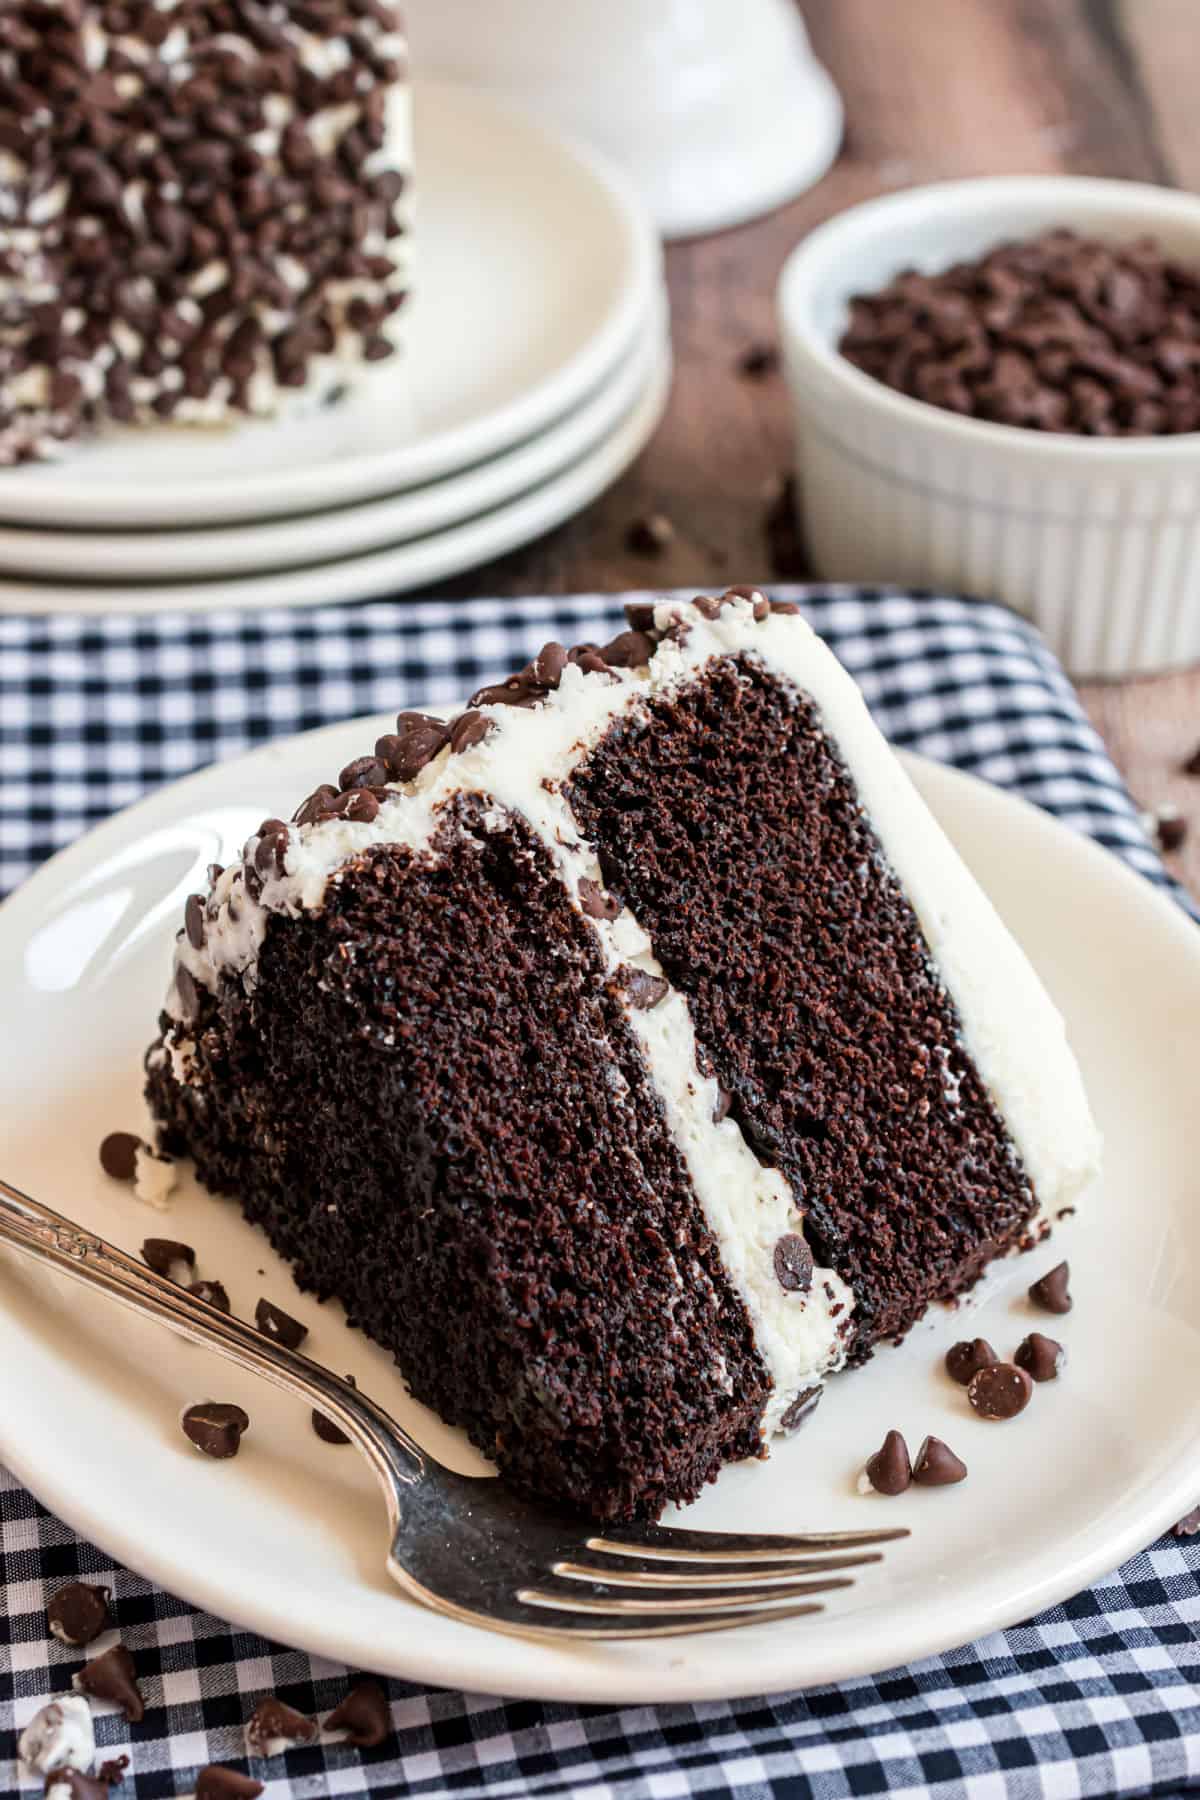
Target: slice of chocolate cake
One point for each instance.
(198, 208)
(628, 1053)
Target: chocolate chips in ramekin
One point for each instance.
(1060, 333)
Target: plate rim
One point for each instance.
(495, 1668)
(57, 493)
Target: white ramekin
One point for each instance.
(1097, 540)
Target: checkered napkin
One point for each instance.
(1100, 1696)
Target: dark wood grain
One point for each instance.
(933, 89)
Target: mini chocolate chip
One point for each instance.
(212, 1293)
(644, 990)
(111, 1677)
(889, 1471)
(189, 999)
(793, 1263)
(513, 692)
(710, 606)
(548, 664)
(724, 1102)
(360, 806)
(325, 1429)
(588, 658)
(193, 921)
(469, 729)
(650, 535)
(967, 1358)
(758, 361)
(628, 650)
(937, 1465)
(1188, 1526)
(217, 1782)
(595, 901)
(271, 848)
(1040, 1357)
(1052, 1291)
(640, 614)
(421, 738)
(118, 1155)
(364, 1716)
(78, 1612)
(215, 1427)
(1000, 1391)
(161, 1255)
(273, 1322)
(274, 1723)
(310, 811)
(363, 772)
(801, 1408)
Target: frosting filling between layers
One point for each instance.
(1010, 1029)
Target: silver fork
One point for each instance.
(469, 1546)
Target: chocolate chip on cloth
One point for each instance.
(273, 1322)
(217, 1782)
(118, 1154)
(889, 1471)
(937, 1465)
(78, 1613)
(1060, 333)
(274, 1726)
(163, 1255)
(1052, 1291)
(1040, 1357)
(793, 1264)
(215, 1427)
(111, 1677)
(966, 1359)
(1000, 1391)
(364, 1716)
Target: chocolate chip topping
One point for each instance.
(162, 1255)
(640, 614)
(273, 1721)
(78, 1613)
(595, 901)
(628, 650)
(1052, 1291)
(212, 1293)
(111, 1677)
(548, 665)
(711, 606)
(326, 1430)
(889, 1471)
(189, 999)
(588, 657)
(193, 921)
(271, 849)
(724, 1102)
(1188, 1526)
(1000, 1391)
(642, 989)
(793, 1264)
(360, 806)
(118, 1154)
(217, 1782)
(937, 1465)
(316, 807)
(1059, 333)
(364, 772)
(1040, 1357)
(801, 1408)
(364, 1716)
(273, 1322)
(467, 730)
(215, 1427)
(966, 1359)
(418, 738)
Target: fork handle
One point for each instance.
(47, 1237)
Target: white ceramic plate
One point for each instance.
(399, 567)
(533, 268)
(289, 1539)
(193, 555)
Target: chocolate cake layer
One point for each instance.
(432, 1102)
(727, 823)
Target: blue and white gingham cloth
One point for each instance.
(1097, 1697)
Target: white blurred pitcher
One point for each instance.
(717, 108)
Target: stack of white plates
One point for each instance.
(535, 367)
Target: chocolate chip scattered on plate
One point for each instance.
(163, 1255)
(967, 1358)
(889, 1471)
(364, 1716)
(212, 1293)
(215, 1427)
(937, 1465)
(78, 1613)
(118, 1154)
(1000, 1391)
(274, 1323)
(1041, 1357)
(1052, 1291)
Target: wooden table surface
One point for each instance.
(933, 89)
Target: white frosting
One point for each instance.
(1010, 1028)
(60, 1736)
